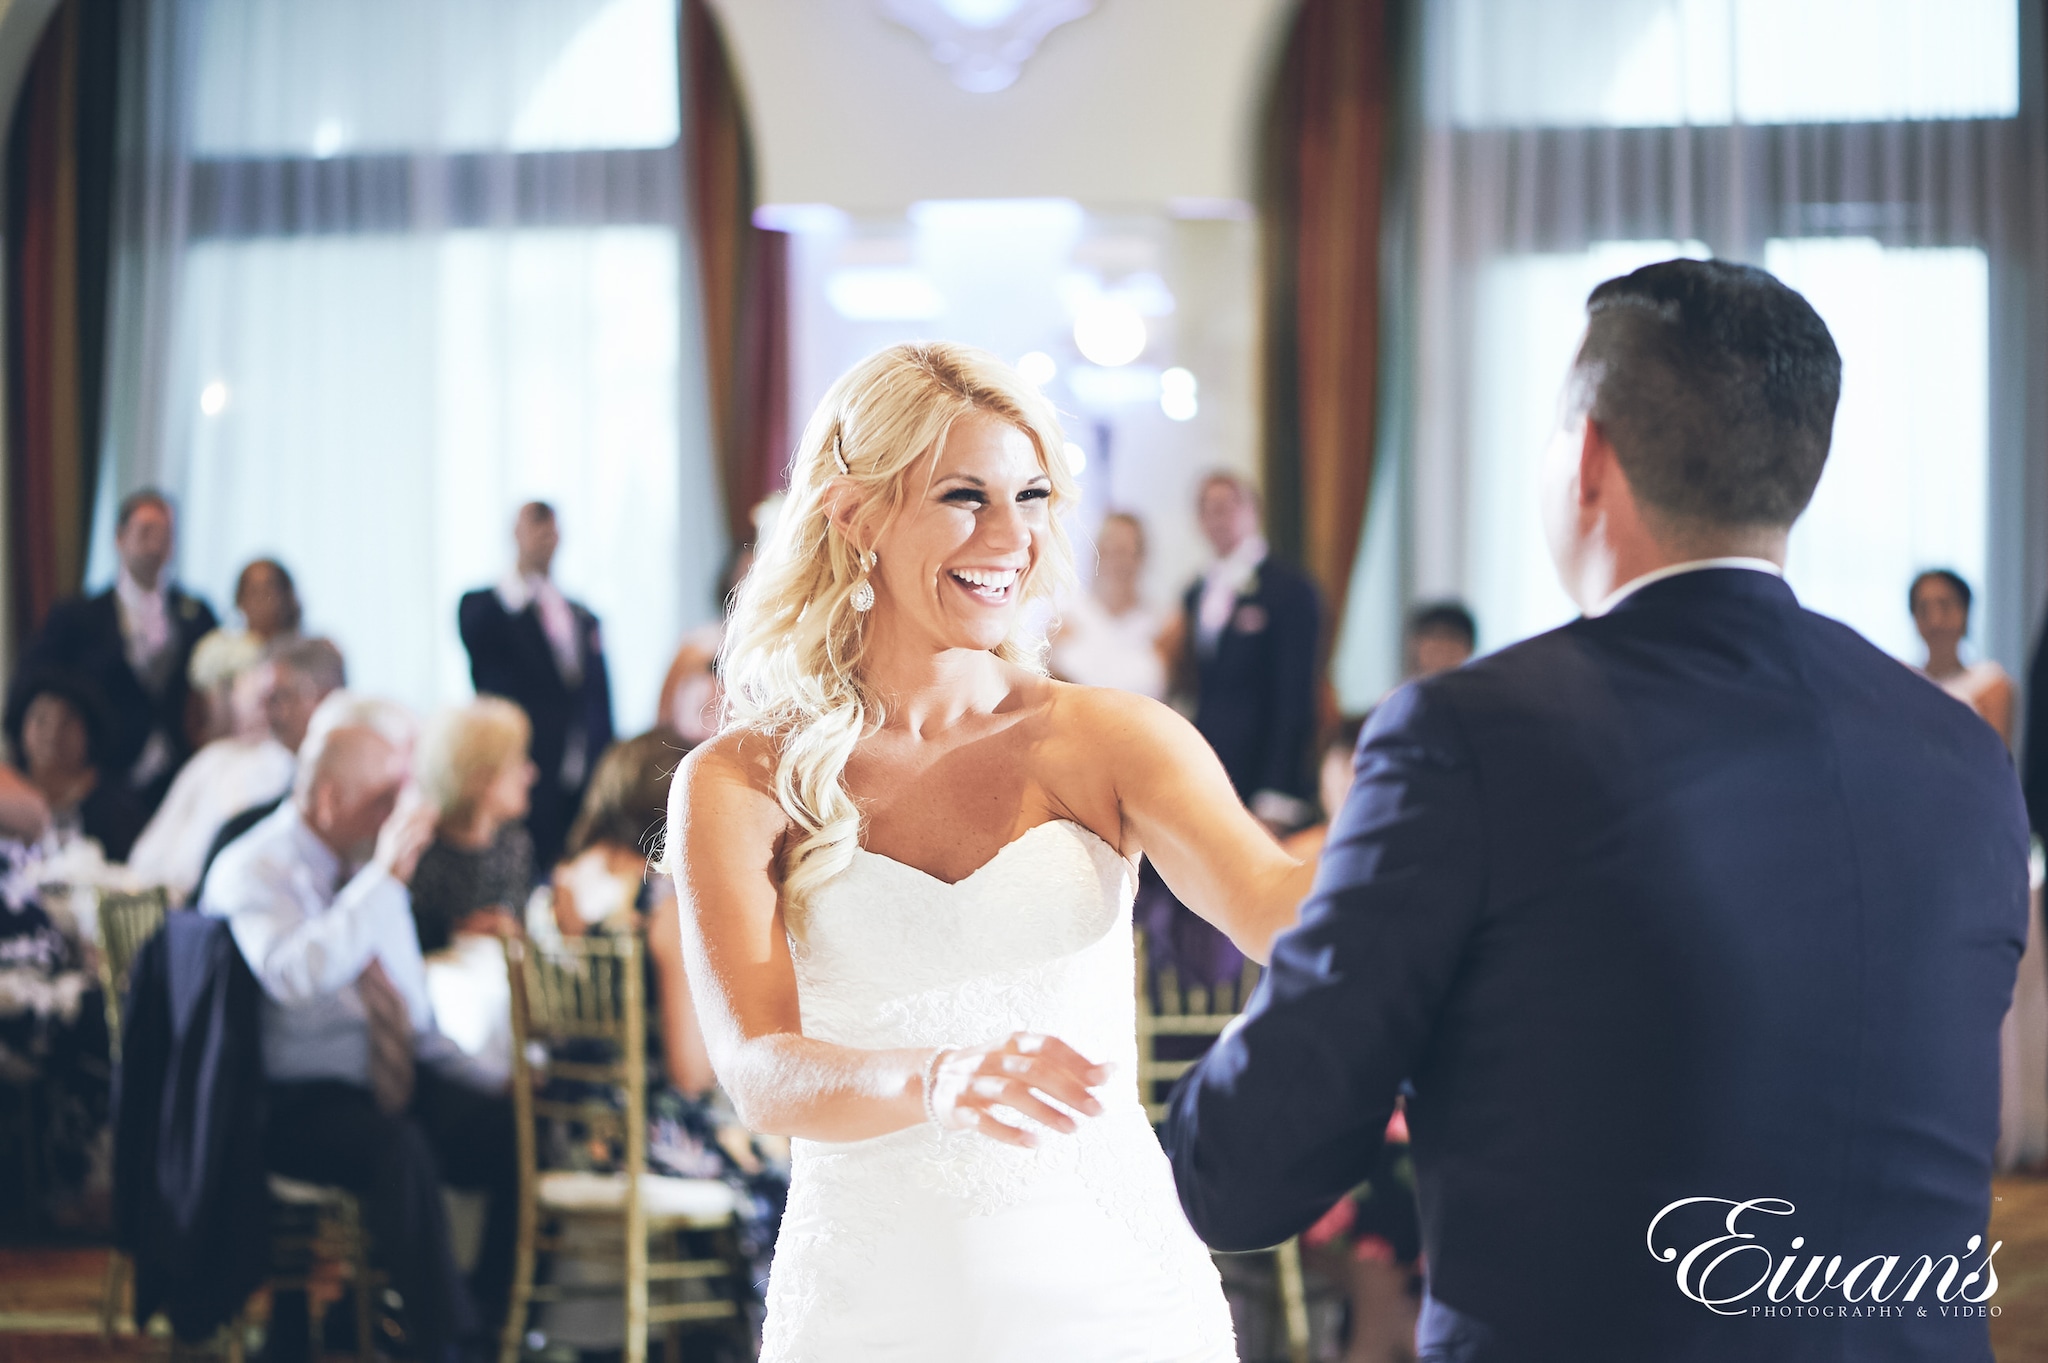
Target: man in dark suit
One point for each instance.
(532, 645)
(134, 642)
(1691, 924)
(1252, 626)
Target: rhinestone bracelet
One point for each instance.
(931, 1080)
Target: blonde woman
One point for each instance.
(475, 773)
(904, 871)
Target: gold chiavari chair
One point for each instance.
(122, 924)
(582, 1001)
(1169, 1008)
(311, 1223)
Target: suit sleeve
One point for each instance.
(600, 684)
(1297, 640)
(1287, 1111)
(482, 623)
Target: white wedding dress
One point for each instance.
(923, 1245)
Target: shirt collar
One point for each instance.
(1239, 564)
(316, 856)
(133, 594)
(517, 590)
(1634, 585)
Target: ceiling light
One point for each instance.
(1110, 332)
(1177, 394)
(1077, 458)
(1037, 368)
(213, 399)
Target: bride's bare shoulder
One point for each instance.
(725, 788)
(1109, 720)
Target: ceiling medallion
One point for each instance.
(984, 43)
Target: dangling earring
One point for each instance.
(863, 599)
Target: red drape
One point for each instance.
(1325, 155)
(59, 176)
(745, 279)
(43, 435)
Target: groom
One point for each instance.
(1698, 897)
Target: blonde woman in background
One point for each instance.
(475, 773)
(1110, 635)
(905, 869)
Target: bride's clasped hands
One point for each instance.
(1026, 1074)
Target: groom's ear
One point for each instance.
(1599, 467)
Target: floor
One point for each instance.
(49, 1298)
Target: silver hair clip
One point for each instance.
(839, 453)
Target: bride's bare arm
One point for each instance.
(723, 831)
(1174, 797)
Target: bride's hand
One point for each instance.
(1019, 1072)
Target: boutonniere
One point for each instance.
(1249, 619)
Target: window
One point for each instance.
(1869, 152)
(432, 266)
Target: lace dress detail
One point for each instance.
(931, 1245)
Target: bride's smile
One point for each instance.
(952, 565)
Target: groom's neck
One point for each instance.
(1647, 547)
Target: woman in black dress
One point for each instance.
(475, 772)
(57, 727)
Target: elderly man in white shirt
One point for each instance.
(365, 1092)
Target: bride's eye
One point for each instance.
(964, 496)
(1034, 494)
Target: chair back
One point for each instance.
(581, 1003)
(125, 923)
(1177, 1021)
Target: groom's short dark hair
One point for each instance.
(1716, 384)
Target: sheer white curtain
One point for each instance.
(386, 269)
(1879, 155)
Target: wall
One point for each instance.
(1138, 103)
(1143, 113)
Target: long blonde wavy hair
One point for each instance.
(791, 663)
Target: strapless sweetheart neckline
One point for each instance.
(922, 1246)
(998, 855)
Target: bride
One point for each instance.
(905, 869)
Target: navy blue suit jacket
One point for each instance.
(509, 656)
(1703, 898)
(83, 635)
(1255, 691)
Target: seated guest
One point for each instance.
(57, 727)
(1439, 637)
(364, 1091)
(604, 886)
(133, 643)
(52, 1029)
(475, 774)
(603, 882)
(1940, 603)
(268, 603)
(303, 674)
(245, 767)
